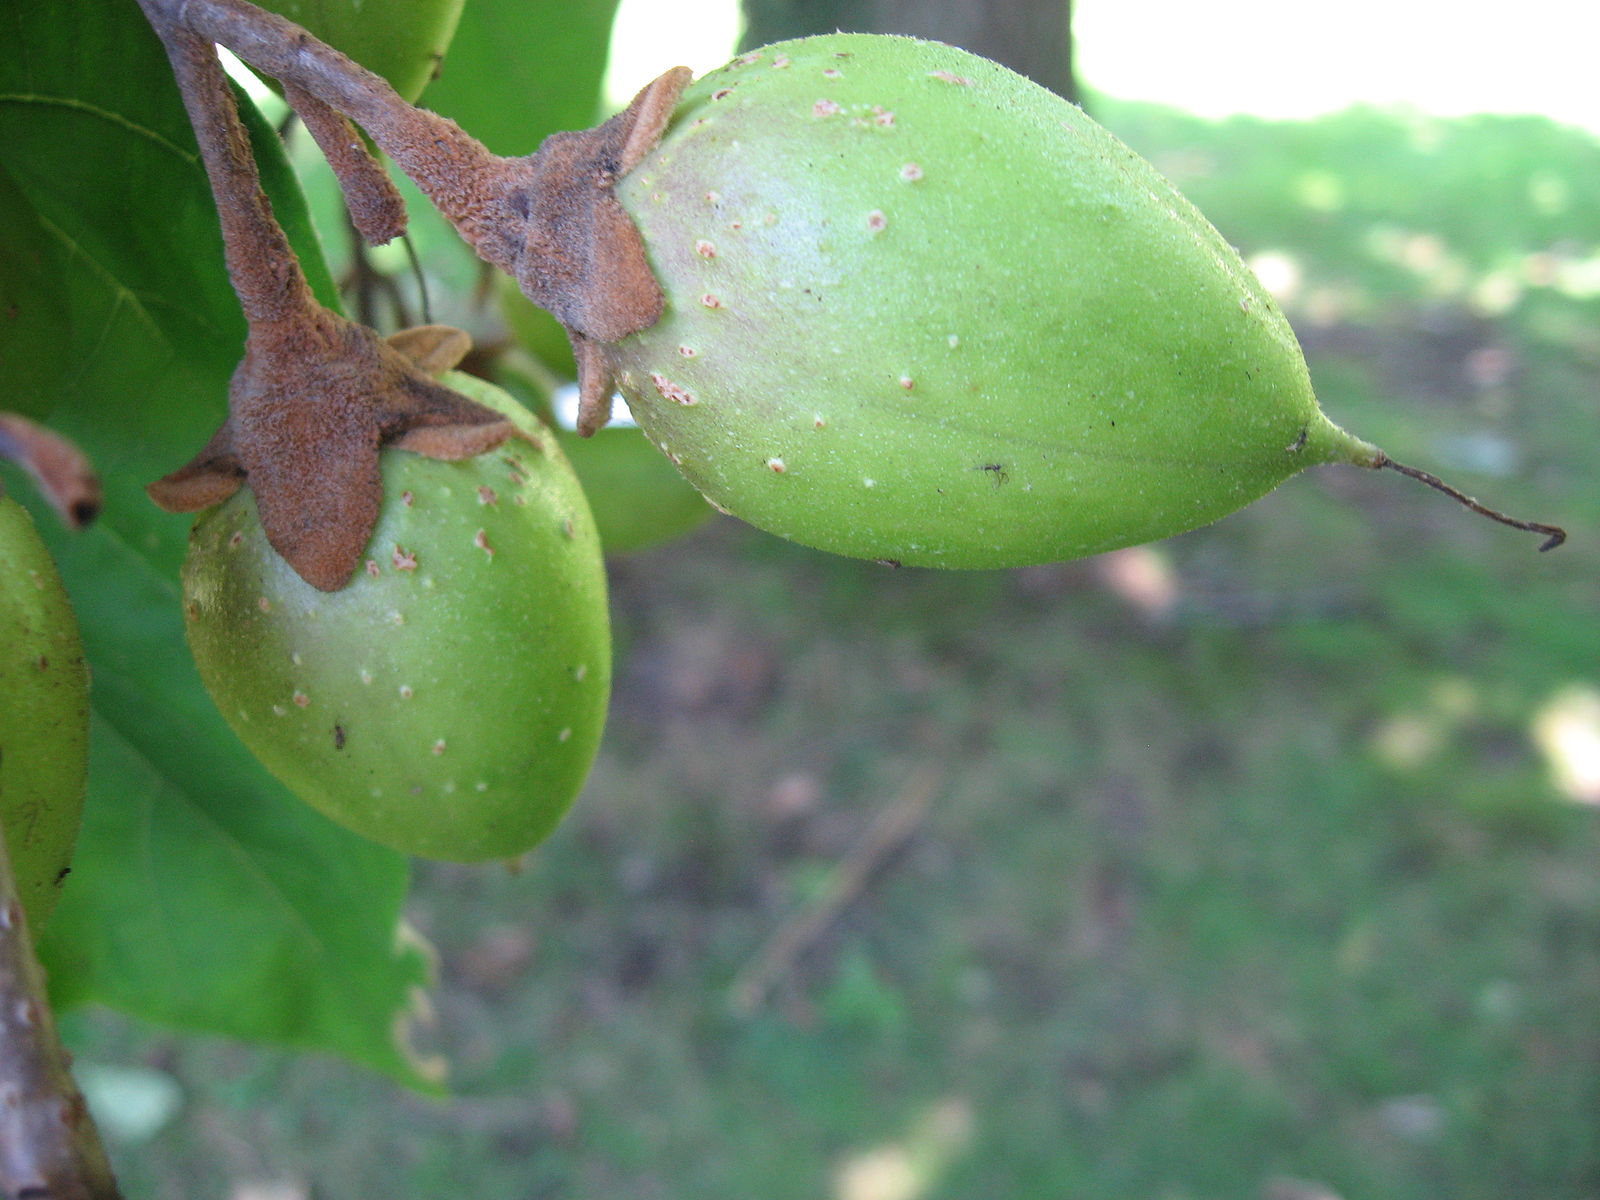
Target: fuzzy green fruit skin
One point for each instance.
(44, 715)
(449, 709)
(922, 309)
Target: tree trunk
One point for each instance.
(1032, 37)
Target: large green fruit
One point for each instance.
(448, 702)
(921, 309)
(44, 714)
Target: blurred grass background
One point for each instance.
(1260, 863)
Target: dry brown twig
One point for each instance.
(845, 882)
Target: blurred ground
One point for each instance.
(1260, 863)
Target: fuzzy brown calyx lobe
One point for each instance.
(310, 407)
(583, 259)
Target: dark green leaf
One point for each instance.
(203, 893)
(520, 70)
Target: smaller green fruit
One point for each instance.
(44, 714)
(638, 497)
(449, 701)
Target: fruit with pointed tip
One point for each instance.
(919, 308)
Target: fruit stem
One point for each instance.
(1554, 534)
(476, 190)
(262, 265)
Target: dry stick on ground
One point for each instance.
(845, 882)
(49, 1146)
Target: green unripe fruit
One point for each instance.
(638, 499)
(919, 308)
(402, 40)
(44, 715)
(449, 701)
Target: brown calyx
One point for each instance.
(582, 258)
(309, 412)
(318, 396)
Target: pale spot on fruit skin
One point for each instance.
(882, 116)
(372, 568)
(264, 604)
(824, 108)
(481, 541)
(672, 391)
(705, 249)
(954, 340)
(301, 700)
(580, 672)
(876, 220)
(869, 483)
(688, 351)
(439, 747)
(407, 498)
(366, 676)
(950, 77)
(397, 618)
(780, 62)
(406, 692)
(711, 301)
(486, 495)
(748, 60)
(567, 530)
(911, 172)
(448, 787)
(833, 73)
(279, 710)
(907, 382)
(235, 540)
(776, 466)
(403, 559)
(564, 735)
(481, 786)
(818, 423)
(713, 198)
(296, 659)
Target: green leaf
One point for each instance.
(203, 894)
(520, 70)
(402, 40)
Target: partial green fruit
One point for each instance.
(44, 715)
(449, 701)
(638, 499)
(921, 309)
(402, 40)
